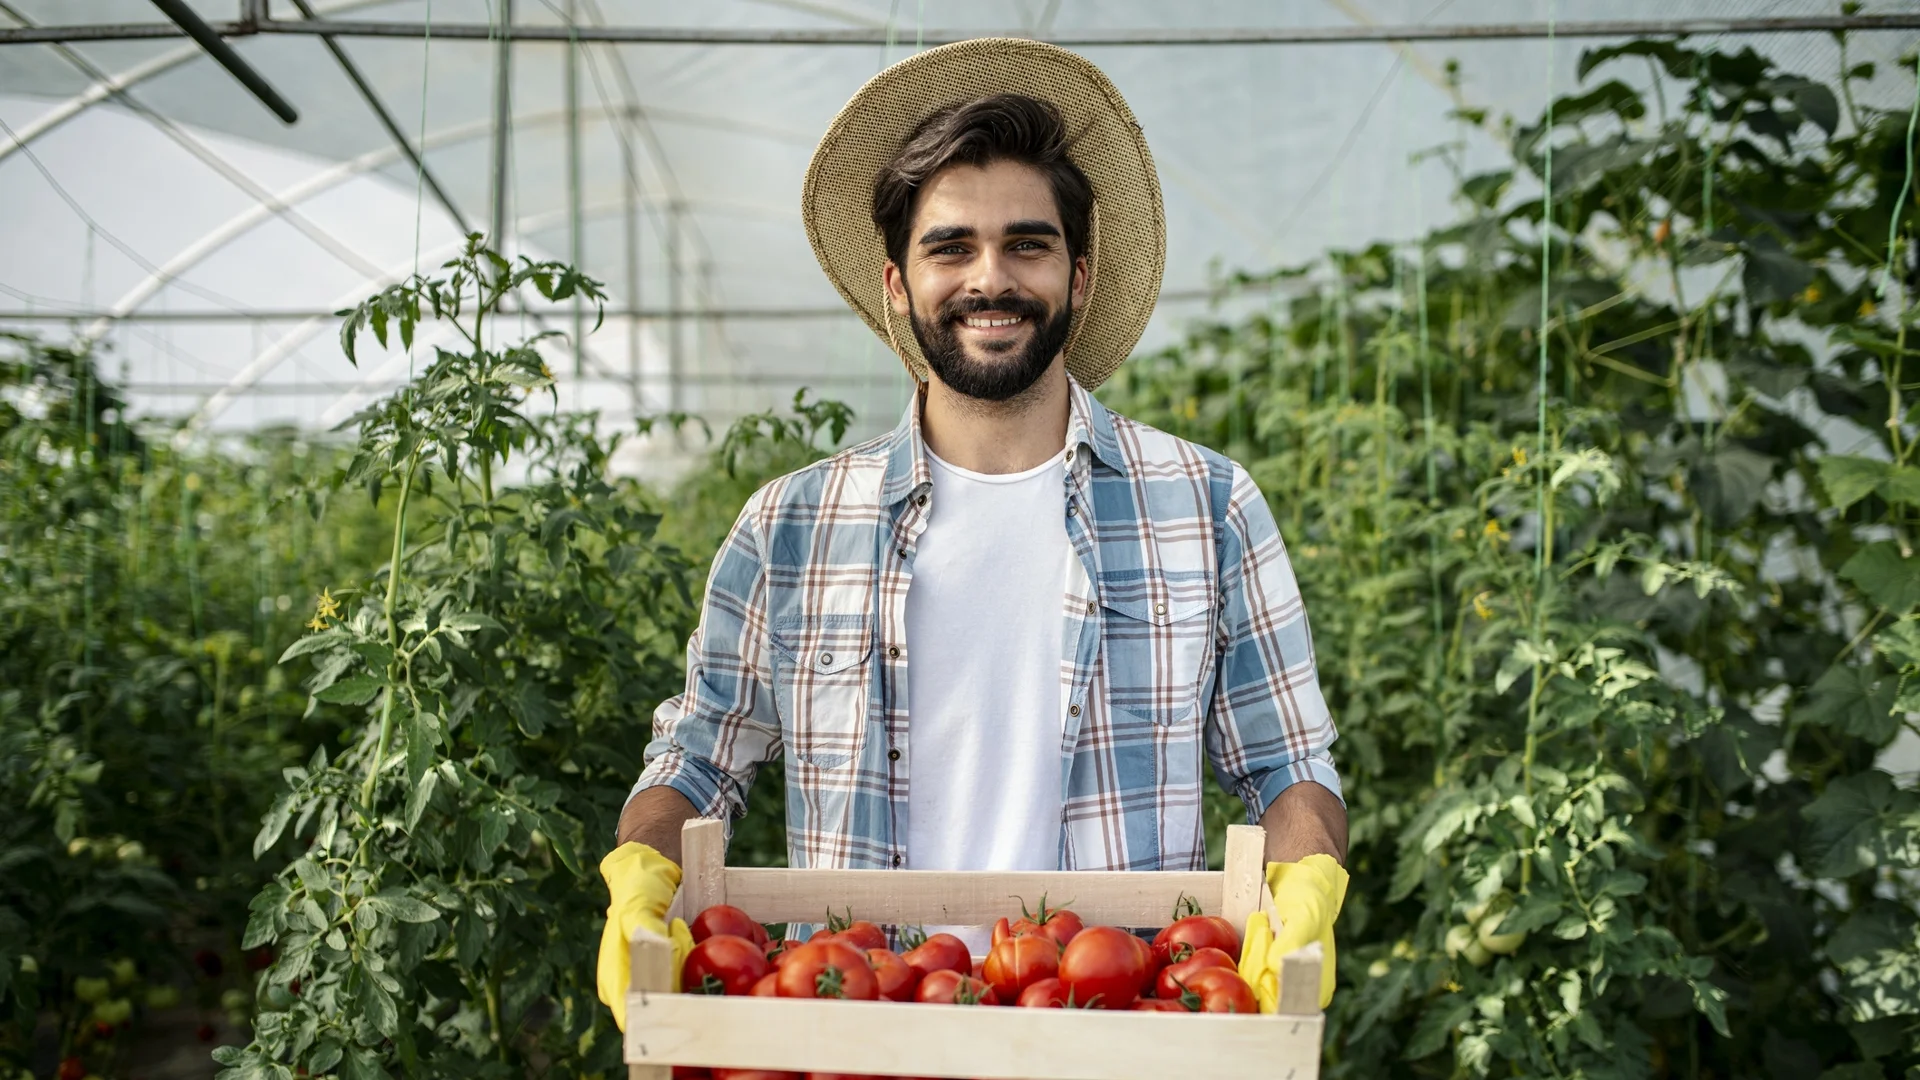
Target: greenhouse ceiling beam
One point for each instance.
(196, 28)
(1299, 35)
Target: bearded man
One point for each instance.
(1008, 634)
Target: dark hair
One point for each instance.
(999, 127)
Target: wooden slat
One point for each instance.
(956, 1041)
(1300, 980)
(1245, 874)
(703, 865)
(652, 980)
(937, 897)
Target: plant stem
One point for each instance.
(393, 636)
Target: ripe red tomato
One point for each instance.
(898, 979)
(941, 952)
(1195, 932)
(755, 1074)
(1043, 994)
(1056, 923)
(723, 964)
(1167, 984)
(1157, 1005)
(692, 1072)
(830, 969)
(1019, 962)
(72, 1068)
(952, 988)
(1219, 991)
(767, 985)
(1104, 967)
(858, 933)
(777, 951)
(726, 919)
(1002, 930)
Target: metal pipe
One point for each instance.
(576, 234)
(1327, 35)
(196, 28)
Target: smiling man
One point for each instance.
(1012, 633)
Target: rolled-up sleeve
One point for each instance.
(1269, 727)
(709, 741)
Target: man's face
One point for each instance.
(988, 286)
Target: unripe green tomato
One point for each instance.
(1476, 954)
(89, 989)
(1378, 969)
(28, 965)
(122, 970)
(234, 1000)
(113, 1011)
(1458, 938)
(1498, 944)
(162, 997)
(1478, 911)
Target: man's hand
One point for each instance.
(1306, 837)
(642, 882)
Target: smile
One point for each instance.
(982, 323)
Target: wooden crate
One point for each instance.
(901, 1039)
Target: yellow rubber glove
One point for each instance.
(1306, 897)
(642, 882)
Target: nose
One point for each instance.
(991, 275)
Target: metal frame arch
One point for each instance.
(285, 346)
(211, 242)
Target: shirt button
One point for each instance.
(1092, 607)
(893, 755)
(1159, 609)
(896, 860)
(894, 652)
(1072, 509)
(902, 552)
(921, 501)
(1069, 455)
(826, 659)
(1073, 710)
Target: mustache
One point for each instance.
(1023, 306)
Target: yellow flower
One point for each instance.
(193, 481)
(1480, 607)
(1192, 411)
(329, 607)
(1519, 456)
(316, 623)
(1811, 295)
(1867, 308)
(1495, 533)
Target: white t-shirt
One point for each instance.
(984, 621)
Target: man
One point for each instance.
(1004, 636)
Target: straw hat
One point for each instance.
(1127, 245)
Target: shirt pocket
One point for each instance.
(1158, 638)
(821, 669)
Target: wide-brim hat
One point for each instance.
(1127, 244)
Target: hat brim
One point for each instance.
(1128, 248)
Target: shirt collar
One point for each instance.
(1089, 424)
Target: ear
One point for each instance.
(1078, 287)
(895, 283)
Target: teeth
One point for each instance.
(992, 322)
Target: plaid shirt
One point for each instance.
(1182, 631)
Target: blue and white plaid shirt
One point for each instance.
(1182, 638)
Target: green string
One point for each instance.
(1426, 422)
(1540, 383)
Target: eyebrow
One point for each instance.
(942, 234)
(1032, 227)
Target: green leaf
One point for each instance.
(362, 1064)
(314, 643)
(470, 621)
(1902, 485)
(357, 690)
(1729, 482)
(410, 909)
(531, 709)
(1439, 1021)
(1849, 479)
(1884, 578)
(1860, 822)
(379, 1007)
(274, 824)
(422, 734)
(1856, 699)
(420, 797)
(1772, 274)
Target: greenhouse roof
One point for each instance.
(151, 203)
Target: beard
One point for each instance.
(994, 380)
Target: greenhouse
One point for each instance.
(395, 397)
